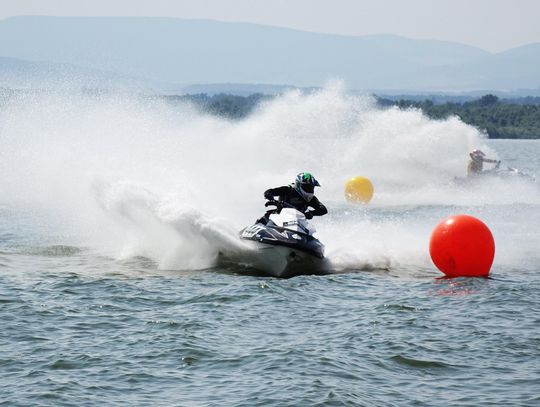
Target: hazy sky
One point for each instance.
(494, 25)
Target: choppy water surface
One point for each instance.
(110, 293)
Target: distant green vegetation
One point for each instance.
(517, 118)
(224, 105)
(501, 118)
(513, 119)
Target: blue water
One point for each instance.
(219, 338)
(117, 321)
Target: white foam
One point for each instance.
(174, 184)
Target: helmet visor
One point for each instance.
(309, 188)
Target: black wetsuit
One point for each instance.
(289, 195)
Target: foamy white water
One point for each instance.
(134, 176)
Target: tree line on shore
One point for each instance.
(501, 118)
(517, 118)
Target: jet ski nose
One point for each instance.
(294, 257)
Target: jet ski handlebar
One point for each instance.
(279, 204)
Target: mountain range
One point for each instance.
(172, 54)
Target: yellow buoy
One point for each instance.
(359, 190)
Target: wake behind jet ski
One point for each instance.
(284, 242)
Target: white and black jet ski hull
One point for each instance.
(280, 261)
(283, 253)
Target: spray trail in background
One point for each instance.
(140, 177)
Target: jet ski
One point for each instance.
(285, 246)
(506, 173)
(509, 172)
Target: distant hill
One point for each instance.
(185, 52)
(22, 74)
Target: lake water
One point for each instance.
(113, 210)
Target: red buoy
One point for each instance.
(462, 246)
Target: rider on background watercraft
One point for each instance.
(300, 195)
(476, 163)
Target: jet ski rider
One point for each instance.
(300, 194)
(476, 163)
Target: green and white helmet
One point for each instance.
(305, 184)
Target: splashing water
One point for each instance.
(137, 176)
